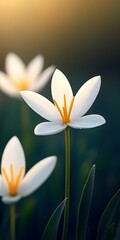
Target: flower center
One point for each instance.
(65, 113)
(11, 181)
(21, 84)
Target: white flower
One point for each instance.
(13, 184)
(67, 110)
(19, 77)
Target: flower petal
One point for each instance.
(85, 97)
(43, 79)
(6, 86)
(60, 87)
(13, 154)
(15, 67)
(9, 200)
(49, 128)
(1, 190)
(35, 67)
(41, 105)
(3, 187)
(36, 176)
(89, 121)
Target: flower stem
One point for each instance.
(67, 183)
(12, 221)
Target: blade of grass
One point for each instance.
(107, 216)
(84, 205)
(50, 231)
(111, 232)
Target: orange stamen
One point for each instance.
(12, 173)
(65, 113)
(62, 116)
(70, 108)
(5, 175)
(18, 178)
(12, 182)
(65, 110)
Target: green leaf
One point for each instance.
(111, 232)
(50, 231)
(84, 206)
(107, 216)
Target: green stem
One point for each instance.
(67, 183)
(12, 222)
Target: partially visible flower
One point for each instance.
(67, 110)
(19, 77)
(13, 184)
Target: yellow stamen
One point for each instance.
(65, 113)
(65, 110)
(12, 182)
(18, 178)
(5, 175)
(20, 84)
(62, 116)
(12, 173)
(70, 108)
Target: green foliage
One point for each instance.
(52, 226)
(84, 205)
(104, 228)
(111, 232)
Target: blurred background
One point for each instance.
(82, 38)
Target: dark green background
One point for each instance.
(82, 38)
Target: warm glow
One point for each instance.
(77, 29)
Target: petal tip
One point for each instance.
(97, 79)
(52, 160)
(53, 67)
(57, 73)
(104, 121)
(35, 131)
(24, 93)
(10, 54)
(14, 139)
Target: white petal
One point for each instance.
(89, 121)
(13, 154)
(6, 86)
(35, 67)
(60, 87)
(41, 105)
(9, 200)
(15, 67)
(1, 192)
(49, 128)
(36, 176)
(85, 97)
(43, 79)
(3, 187)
